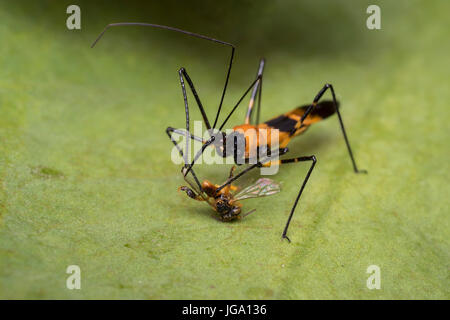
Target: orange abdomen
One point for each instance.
(288, 125)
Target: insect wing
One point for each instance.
(261, 188)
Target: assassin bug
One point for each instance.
(225, 202)
(289, 124)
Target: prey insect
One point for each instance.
(289, 125)
(226, 201)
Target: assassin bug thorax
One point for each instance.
(289, 124)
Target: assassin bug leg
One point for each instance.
(230, 176)
(310, 109)
(256, 165)
(256, 89)
(170, 131)
(298, 159)
(254, 83)
(258, 111)
(262, 164)
(232, 172)
(183, 73)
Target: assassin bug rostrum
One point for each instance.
(289, 125)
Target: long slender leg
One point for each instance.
(298, 159)
(183, 73)
(293, 160)
(256, 81)
(258, 111)
(256, 165)
(230, 176)
(255, 91)
(313, 105)
(225, 86)
(170, 131)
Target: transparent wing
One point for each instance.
(261, 188)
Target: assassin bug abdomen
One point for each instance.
(287, 124)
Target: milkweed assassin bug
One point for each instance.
(290, 124)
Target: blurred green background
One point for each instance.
(85, 171)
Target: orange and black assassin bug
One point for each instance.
(289, 124)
